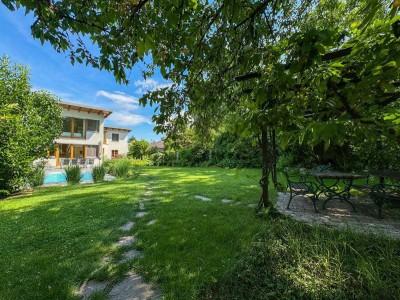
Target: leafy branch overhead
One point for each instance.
(325, 69)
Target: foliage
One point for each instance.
(37, 174)
(73, 174)
(292, 260)
(29, 123)
(138, 148)
(118, 166)
(98, 173)
(313, 71)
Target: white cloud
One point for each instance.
(125, 101)
(149, 85)
(127, 119)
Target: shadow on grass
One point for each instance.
(54, 239)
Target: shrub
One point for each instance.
(141, 163)
(73, 174)
(120, 167)
(98, 173)
(36, 176)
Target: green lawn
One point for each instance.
(55, 239)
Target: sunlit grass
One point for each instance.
(56, 238)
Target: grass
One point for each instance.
(55, 239)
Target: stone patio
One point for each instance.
(341, 215)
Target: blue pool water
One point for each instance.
(59, 177)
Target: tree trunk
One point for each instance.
(274, 158)
(266, 166)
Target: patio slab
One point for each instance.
(340, 215)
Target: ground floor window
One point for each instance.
(114, 153)
(91, 151)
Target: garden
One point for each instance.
(56, 239)
(280, 128)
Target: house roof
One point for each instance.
(86, 108)
(117, 128)
(159, 144)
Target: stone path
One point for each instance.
(91, 287)
(202, 198)
(125, 241)
(132, 286)
(226, 200)
(340, 215)
(128, 226)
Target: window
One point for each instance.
(115, 137)
(78, 128)
(66, 131)
(91, 151)
(114, 153)
(93, 125)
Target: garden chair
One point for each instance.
(299, 186)
(90, 162)
(74, 162)
(64, 163)
(83, 163)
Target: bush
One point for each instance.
(141, 162)
(118, 166)
(73, 174)
(36, 176)
(98, 173)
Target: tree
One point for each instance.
(303, 69)
(138, 148)
(30, 121)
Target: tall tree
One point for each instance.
(316, 70)
(30, 121)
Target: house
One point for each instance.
(158, 145)
(115, 142)
(85, 136)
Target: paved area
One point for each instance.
(340, 214)
(132, 287)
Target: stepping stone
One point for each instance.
(252, 205)
(141, 214)
(185, 194)
(226, 200)
(128, 226)
(151, 222)
(105, 260)
(91, 287)
(238, 203)
(141, 206)
(202, 198)
(148, 193)
(132, 287)
(127, 256)
(109, 177)
(125, 241)
(166, 192)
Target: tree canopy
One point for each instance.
(30, 121)
(312, 70)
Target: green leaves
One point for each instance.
(32, 118)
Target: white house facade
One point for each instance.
(84, 136)
(115, 142)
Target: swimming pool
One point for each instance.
(59, 177)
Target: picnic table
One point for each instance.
(329, 185)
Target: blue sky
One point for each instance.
(53, 72)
